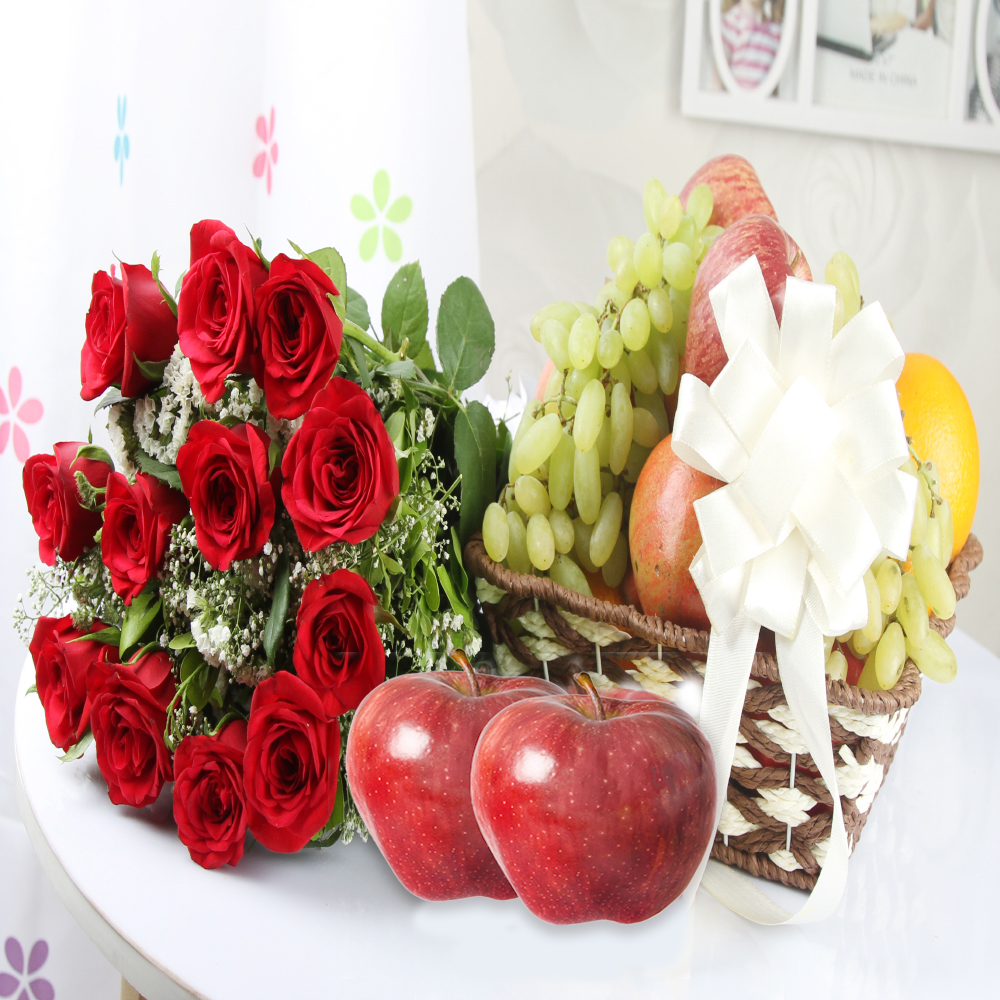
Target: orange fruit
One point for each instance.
(938, 419)
(602, 591)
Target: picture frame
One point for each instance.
(916, 71)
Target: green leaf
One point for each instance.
(465, 335)
(400, 369)
(404, 310)
(139, 616)
(110, 398)
(425, 359)
(390, 564)
(279, 608)
(326, 836)
(198, 679)
(166, 473)
(154, 268)
(475, 456)
(76, 751)
(32, 690)
(383, 617)
(432, 592)
(273, 457)
(153, 370)
(457, 566)
(185, 641)
(96, 453)
(333, 264)
(258, 245)
(110, 636)
(179, 285)
(457, 604)
(359, 356)
(394, 426)
(357, 309)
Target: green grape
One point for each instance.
(840, 271)
(567, 574)
(587, 484)
(637, 456)
(532, 497)
(614, 569)
(661, 312)
(890, 656)
(869, 679)
(496, 533)
(617, 246)
(699, 248)
(555, 340)
(911, 612)
(620, 373)
(663, 353)
(561, 473)
(648, 260)
(874, 627)
(517, 546)
(585, 307)
(947, 530)
(700, 204)
(621, 428)
(527, 420)
(919, 531)
(613, 294)
(562, 531)
(671, 214)
(579, 378)
(565, 312)
(909, 467)
(645, 430)
(581, 546)
(861, 644)
(686, 232)
(654, 404)
(538, 443)
(634, 325)
(607, 482)
(653, 195)
(509, 501)
(828, 641)
(604, 444)
(933, 581)
(589, 416)
(932, 540)
(836, 666)
(553, 384)
(607, 528)
(710, 235)
(641, 369)
(890, 585)
(679, 265)
(583, 341)
(541, 543)
(609, 348)
(934, 658)
(625, 274)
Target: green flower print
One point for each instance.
(365, 211)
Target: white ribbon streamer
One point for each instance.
(805, 430)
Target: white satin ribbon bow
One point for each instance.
(805, 429)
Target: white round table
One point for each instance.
(919, 918)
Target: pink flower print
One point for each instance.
(263, 161)
(12, 416)
(40, 989)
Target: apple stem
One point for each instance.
(458, 655)
(584, 681)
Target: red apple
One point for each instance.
(408, 758)
(778, 255)
(736, 190)
(596, 810)
(663, 536)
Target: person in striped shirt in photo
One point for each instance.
(750, 37)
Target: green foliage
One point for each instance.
(166, 473)
(140, 617)
(279, 608)
(357, 309)
(475, 454)
(153, 370)
(465, 334)
(154, 268)
(76, 751)
(404, 310)
(333, 264)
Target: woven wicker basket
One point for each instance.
(776, 823)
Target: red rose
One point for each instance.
(224, 476)
(215, 306)
(300, 334)
(128, 714)
(209, 802)
(137, 523)
(340, 472)
(61, 667)
(128, 319)
(292, 763)
(338, 651)
(65, 528)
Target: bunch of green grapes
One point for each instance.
(577, 454)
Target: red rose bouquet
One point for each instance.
(275, 529)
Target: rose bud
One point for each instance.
(292, 763)
(65, 528)
(338, 651)
(128, 714)
(299, 332)
(128, 319)
(209, 801)
(137, 522)
(224, 476)
(61, 667)
(339, 469)
(214, 311)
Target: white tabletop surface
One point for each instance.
(919, 918)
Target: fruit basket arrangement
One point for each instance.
(593, 557)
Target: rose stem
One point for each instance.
(458, 655)
(584, 681)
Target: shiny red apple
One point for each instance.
(408, 758)
(595, 809)
(736, 190)
(778, 255)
